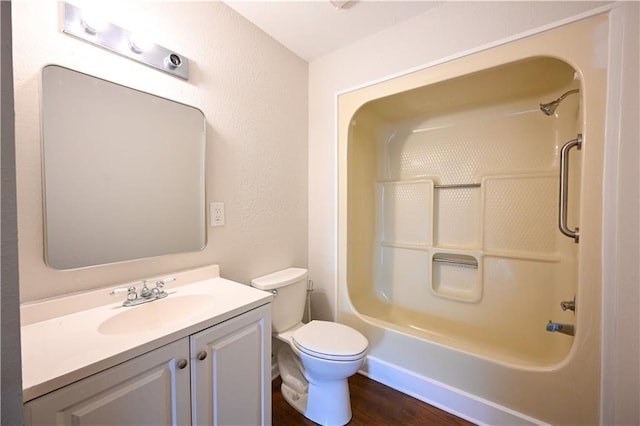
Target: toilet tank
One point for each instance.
(290, 287)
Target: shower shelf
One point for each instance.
(458, 186)
(456, 274)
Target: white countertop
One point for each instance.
(60, 350)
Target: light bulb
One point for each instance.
(93, 22)
(139, 43)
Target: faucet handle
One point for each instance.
(131, 292)
(161, 283)
(118, 291)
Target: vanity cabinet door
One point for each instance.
(152, 389)
(231, 371)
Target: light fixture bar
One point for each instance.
(123, 42)
(339, 4)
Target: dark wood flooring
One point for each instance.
(372, 404)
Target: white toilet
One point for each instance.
(325, 354)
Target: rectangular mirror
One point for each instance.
(123, 172)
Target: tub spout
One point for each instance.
(568, 329)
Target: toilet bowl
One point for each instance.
(319, 356)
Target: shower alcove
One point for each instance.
(454, 211)
(451, 257)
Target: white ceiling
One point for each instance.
(312, 28)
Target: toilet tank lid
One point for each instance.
(279, 278)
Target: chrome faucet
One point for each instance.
(146, 294)
(568, 329)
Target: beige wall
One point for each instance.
(253, 93)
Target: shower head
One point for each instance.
(550, 107)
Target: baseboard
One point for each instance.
(455, 401)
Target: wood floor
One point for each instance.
(372, 404)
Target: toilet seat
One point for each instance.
(330, 341)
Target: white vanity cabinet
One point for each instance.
(150, 389)
(218, 376)
(231, 371)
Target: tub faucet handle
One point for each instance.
(568, 304)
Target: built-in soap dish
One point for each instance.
(457, 275)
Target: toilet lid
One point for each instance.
(330, 340)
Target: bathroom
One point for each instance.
(272, 159)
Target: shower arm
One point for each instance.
(564, 183)
(564, 95)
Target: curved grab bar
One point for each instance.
(564, 183)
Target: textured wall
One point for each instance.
(253, 93)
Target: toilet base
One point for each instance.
(295, 399)
(325, 402)
(329, 404)
(323, 412)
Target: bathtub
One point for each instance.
(451, 260)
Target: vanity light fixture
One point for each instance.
(96, 30)
(341, 4)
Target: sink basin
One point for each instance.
(157, 314)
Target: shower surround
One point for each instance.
(451, 260)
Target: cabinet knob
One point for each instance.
(182, 364)
(202, 355)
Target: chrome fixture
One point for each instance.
(550, 107)
(564, 183)
(95, 29)
(568, 304)
(457, 186)
(341, 4)
(146, 294)
(568, 329)
(455, 259)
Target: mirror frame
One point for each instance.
(123, 172)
